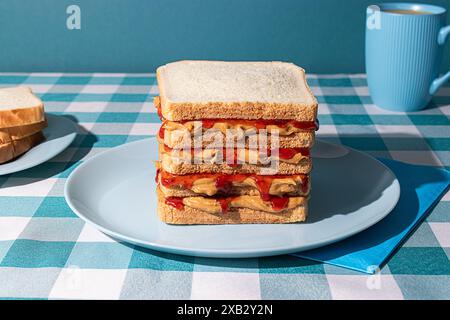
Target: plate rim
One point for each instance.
(222, 253)
(49, 155)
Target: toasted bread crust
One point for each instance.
(21, 117)
(16, 133)
(16, 148)
(169, 214)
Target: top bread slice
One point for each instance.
(192, 90)
(19, 106)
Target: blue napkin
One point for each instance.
(421, 188)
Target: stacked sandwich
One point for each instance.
(234, 142)
(22, 119)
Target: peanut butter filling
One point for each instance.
(219, 156)
(251, 202)
(178, 129)
(278, 186)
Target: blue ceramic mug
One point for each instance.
(404, 46)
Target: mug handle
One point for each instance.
(437, 83)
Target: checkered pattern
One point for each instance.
(47, 252)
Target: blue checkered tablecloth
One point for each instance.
(47, 252)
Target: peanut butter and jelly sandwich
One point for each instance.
(234, 142)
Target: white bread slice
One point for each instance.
(13, 149)
(16, 133)
(191, 90)
(188, 215)
(19, 107)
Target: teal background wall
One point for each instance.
(323, 36)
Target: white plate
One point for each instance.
(115, 191)
(59, 134)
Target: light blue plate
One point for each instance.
(115, 191)
(59, 134)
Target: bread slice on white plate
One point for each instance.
(191, 90)
(19, 107)
(16, 133)
(13, 149)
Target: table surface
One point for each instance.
(47, 252)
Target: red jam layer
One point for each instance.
(161, 131)
(260, 123)
(224, 182)
(277, 203)
(175, 202)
